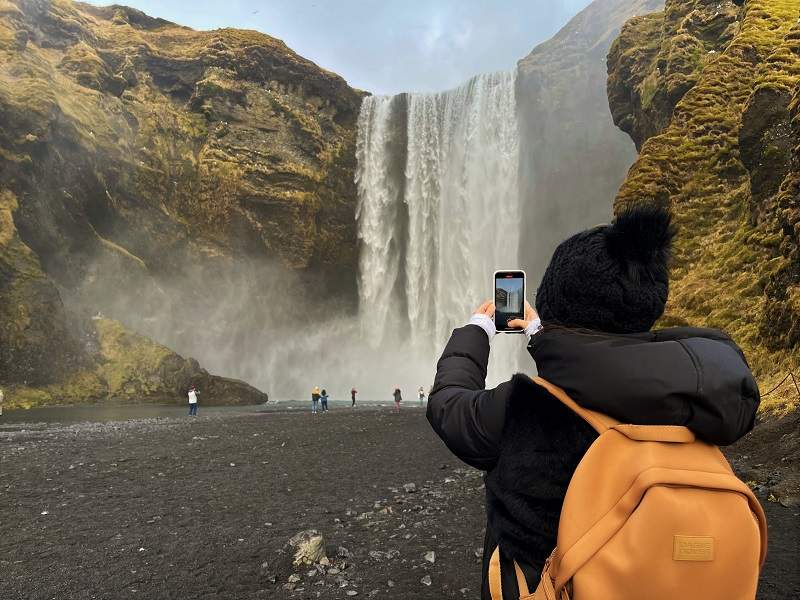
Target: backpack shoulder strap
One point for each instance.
(600, 422)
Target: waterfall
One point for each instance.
(438, 212)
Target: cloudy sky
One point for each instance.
(387, 46)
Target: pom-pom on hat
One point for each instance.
(612, 278)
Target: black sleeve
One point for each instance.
(724, 408)
(467, 417)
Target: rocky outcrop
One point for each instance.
(572, 158)
(143, 163)
(129, 367)
(673, 44)
(710, 92)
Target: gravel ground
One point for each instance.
(202, 508)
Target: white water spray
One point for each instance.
(439, 211)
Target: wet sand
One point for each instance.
(200, 508)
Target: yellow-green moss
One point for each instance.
(221, 140)
(721, 262)
(127, 368)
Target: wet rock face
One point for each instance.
(134, 147)
(766, 142)
(779, 202)
(566, 128)
(709, 93)
(32, 316)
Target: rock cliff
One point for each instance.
(710, 93)
(572, 157)
(144, 164)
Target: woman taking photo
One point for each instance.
(591, 336)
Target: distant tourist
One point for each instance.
(3, 398)
(324, 399)
(193, 401)
(314, 399)
(353, 393)
(398, 398)
(421, 394)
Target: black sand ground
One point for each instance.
(180, 508)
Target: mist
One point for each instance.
(452, 185)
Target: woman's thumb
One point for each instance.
(517, 323)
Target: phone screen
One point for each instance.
(509, 298)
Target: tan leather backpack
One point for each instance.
(650, 513)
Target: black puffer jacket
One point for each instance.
(529, 444)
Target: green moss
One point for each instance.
(649, 87)
(723, 262)
(217, 140)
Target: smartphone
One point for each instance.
(509, 299)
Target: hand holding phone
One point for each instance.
(530, 315)
(509, 300)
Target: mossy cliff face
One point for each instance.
(32, 317)
(131, 147)
(127, 366)
(710, 92)
(149, 133)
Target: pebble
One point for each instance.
(409, 488)
(426, 580)
(430, 556)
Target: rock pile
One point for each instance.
(393, 540)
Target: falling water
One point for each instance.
(439, 212)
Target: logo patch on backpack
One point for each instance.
(692, 547)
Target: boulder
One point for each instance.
(306, 547)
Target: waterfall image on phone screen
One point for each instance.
(438, 213)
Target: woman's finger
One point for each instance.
(517, 323)
(530, 312)
(484, 308)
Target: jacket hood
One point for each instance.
(680, 376)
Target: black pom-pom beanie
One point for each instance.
(612, 278)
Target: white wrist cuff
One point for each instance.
(485, 322)
(533, 327)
